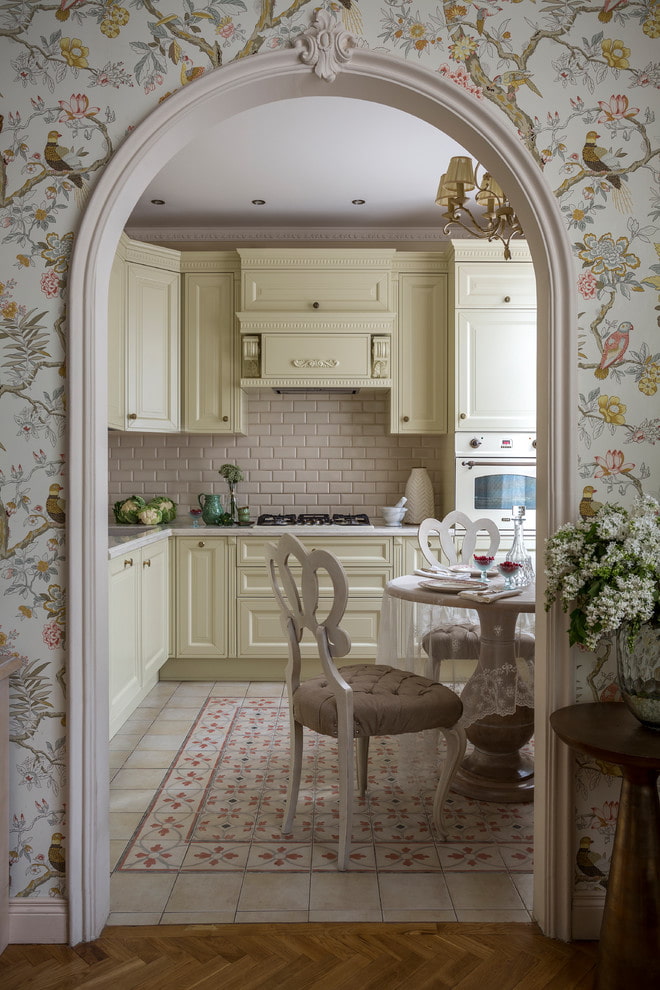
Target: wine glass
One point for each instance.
(510, 570)
(195, 513)
(483, 562)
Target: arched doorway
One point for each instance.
(220, 94)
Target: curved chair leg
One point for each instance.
(294, 774)
(362, 753)
(456, 743)
(345, 750)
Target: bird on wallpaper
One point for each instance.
(592, 156)
(56, 853)
(614, 348)
(586, 862)
(189, 71)
(514, 80)
(55, 504)
(588, 508)
(53, 154)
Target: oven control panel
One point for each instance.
(496, 444)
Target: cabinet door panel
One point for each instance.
(302, 356)
(422, 377)
(153, 349)
(506, 284)
(208, 335)
(260, 632)
(350, 550)
(496, 371)
(124, 648)
(202, 599)
(279, 290)
(154, 569)
(363, 582)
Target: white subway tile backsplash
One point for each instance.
(327, 454)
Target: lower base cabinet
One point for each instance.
(203, 597)
(139, 627)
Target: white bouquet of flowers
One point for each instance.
(605, 571)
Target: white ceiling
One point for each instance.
(307, 158)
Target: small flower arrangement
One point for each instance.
(605, 570)
(232, 475)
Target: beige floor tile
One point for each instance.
(356, 914)
(265, 689)
(197, 918)
(170, 727)
(193, 689)
(133, 777)
(404, 915)
(275, 917)
(414, 891)
(139, 721)
(171, 740)
(176, 712)
(481, 891)
(492, 916)
(232, 689)
(151, 759)
(337, 891)
(219, 892)
(524, 884)
(131, 918)
(124, 740)
(117, 758)
(132, 799)
(117, 847)
(264, 891)
(123, 823)
(140, 894)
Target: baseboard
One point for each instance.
(37, 921)
(587, 915)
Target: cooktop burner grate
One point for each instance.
(313, 519)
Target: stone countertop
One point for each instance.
(120, 538)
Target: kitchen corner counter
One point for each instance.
(120, 538)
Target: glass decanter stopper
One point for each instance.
(518, 553)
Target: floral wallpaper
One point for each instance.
(578, 82)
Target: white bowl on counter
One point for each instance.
(393, 514)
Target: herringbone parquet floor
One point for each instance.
(306, 957)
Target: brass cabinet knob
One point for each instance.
(128, 562)
(201, 543)
(225, 419)
(507, 299)
(315, 305)
(463, 416)
(132, 415)
(146, 563)
(406, 419)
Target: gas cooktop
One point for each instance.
(314, 519)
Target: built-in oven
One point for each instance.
(494, 472)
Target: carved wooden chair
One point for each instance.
(353, 702)
(457, 637)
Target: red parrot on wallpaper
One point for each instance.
(613, 349)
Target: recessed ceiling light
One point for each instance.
(258, 202)
(358, 202)
(158, 202)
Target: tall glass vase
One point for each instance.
(638, 672)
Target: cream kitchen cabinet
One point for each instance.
(139, 626)
(211, 402)
(204, 598)
(495, 339)
(144, 339)
(419, 400)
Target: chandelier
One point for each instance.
(498, 221)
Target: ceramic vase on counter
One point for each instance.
(421, 500)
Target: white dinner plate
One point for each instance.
(451, 587)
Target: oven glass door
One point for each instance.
(490, 487)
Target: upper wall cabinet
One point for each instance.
(316, 318)
(495, 338)
(211, 402)
(143, 339)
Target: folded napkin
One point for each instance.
(489, 596)
(431, 572)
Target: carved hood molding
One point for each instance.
(325, 46)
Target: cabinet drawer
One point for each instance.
(305, 356)
(490, 285)
(364, 582)
(260, 631)
(350, 550)
(341, 291)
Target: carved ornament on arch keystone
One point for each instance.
(325, 45)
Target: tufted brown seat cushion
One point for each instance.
(386, 701)
(460, 641)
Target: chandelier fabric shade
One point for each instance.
(499, 222)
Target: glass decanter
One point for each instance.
(518, 552)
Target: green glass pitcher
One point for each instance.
(212, 509)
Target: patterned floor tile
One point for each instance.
(482, 857)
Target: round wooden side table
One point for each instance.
(629, 952)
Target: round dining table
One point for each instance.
(498, 705)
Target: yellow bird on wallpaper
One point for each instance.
(589, 508)
(592, 156)
(55, 504)
(56, 853)
(54, 156)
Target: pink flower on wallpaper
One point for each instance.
(50, 285)
(611, 464)
(587, 285)
(616, 108)
(227, 30)
(460, 76)
(77, 107)
(52, 635)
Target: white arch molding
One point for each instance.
(215, 96)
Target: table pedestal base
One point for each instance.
(496, 770)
